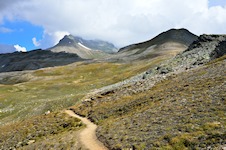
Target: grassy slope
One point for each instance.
(26, 95)
(40, 128)
(185, 111)
(59, 87)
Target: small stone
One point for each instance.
(223, 148)
(48, 112)
(30, 142)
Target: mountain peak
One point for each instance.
(86, 49)
(182, 35)
(70, 40)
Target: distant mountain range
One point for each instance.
(72, 49)
(69, 49)
(87, 49)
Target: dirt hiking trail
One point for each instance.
(88, 135)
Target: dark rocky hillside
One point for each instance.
(36, 59)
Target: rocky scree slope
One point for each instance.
(201, 51)
(36, 59)
(182, 111)
(179, 104)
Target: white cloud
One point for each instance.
(20, 49)
(49, 37)
(5, 30)
(119, 21)
(58, 35)
(35, 42)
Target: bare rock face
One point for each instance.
(219, 51)
(205, 49)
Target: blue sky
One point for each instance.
(21, 33)
(217, 3)
(41, 24)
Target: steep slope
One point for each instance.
(170, 42)
(87, 49)
(35, 60)
(181, 108)
(183, 111)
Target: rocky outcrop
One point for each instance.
(201, 51)
(219, 51)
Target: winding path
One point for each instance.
(88, 135)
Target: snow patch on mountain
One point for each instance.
(84, 46)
